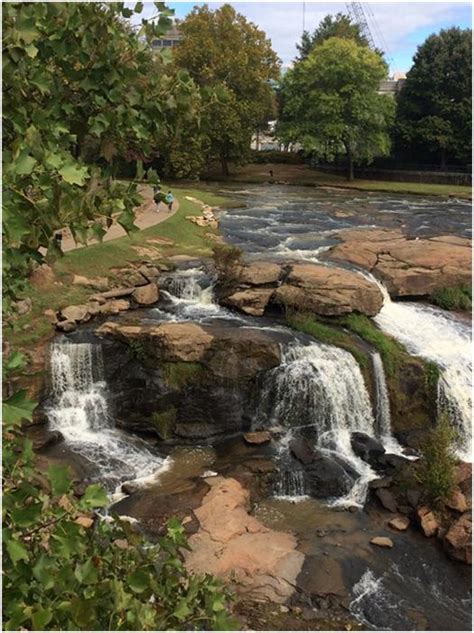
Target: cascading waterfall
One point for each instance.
(382, 408)
(192, 293)
(320, 387)
(80, 411)
(441, 338)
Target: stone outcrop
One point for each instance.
(458, 539)
(185, 381)
(263, 563)
(146, 295)
(408, 267)
(328, 291)
(324, 290)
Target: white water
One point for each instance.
(439, 337)
(321, 386)
(290, 486)
(382, 408)
(192, 295)
(81, 413)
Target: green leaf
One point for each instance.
(53, 160)
(18, 408)
(59, 478)
(126, 220)
(17, 360)
(41, 618)
(182, 610)
(31, 51)
(138, 581)
(27, 515)
(94, 497)
(73, 174)
(86, 574)
(24, 164)
(16, 551)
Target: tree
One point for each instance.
(434, 106)
(331, 103)
(232, 62)
(76, 74)
(339, 25)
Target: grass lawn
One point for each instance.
(185, 238)
(303, 175)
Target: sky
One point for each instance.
(403, 25)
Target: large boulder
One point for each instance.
(408, 267)
(259, 273)
(366, 447)
(328, 291)
(146, 295)
(251, 301)
(458, 539)
(79, 313)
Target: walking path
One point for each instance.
(146, 215)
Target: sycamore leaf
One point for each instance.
(59, 478)
(16, 551)
(17, 407)
(94, 497)
(73, 174)
(24, 164)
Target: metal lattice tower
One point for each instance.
(357, 13)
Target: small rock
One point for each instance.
(257, 437)
(428, 522)
(151, 273)
(115, 306)
(135, 278)
(79, 313)
(284, 609)
(458, 540)
(353, 509)
(99, 283)
(308, 614)
(66, 326)
(382, 541)
(297, 610)
(23, 306)
(146, 295)
(399, 523)
(387, 499)
(51, 316)
(94, 307)
(457, 501)
(85, 522)
(413, 497)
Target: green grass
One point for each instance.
(455, 298)
(303, 175)
(332, 335)
(98, 260)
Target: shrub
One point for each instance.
(437, 467)
(227, 260)
(455, 298)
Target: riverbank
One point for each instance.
(303, 175)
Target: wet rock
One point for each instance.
(303, 450)
(47, 439)
(382, 482)
(328, 291)
(458, 539)
(252, 301)
(408, 267)
(325, 477)
(387, 499)
(79, 313)
(391, 463)
(261, 466)
(413, 497)
(264, 563)
(457, 501)
(98, 283)
(146, 295)
(39, 417)
(257, 437)
(66, 326)
(366, 447)
(428, 521)
(151, 273)
(399, 523)
(382, 541)
(259, 273)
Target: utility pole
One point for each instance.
(304, 16)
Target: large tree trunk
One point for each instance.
(224, 165)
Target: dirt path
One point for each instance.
(146, 216)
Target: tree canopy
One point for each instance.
(332, 106)
(76, 75)
(339, 25)
(232, 62)
(434, 106)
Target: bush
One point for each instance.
(437, 467)
(227, 260)
(455, 298)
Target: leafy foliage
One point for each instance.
(339, 25)
(77, 76)
(228, 261)
(453, 298)
(332, 106)
(434, 106)
(438, 464)
(233, 63)
(66, 566)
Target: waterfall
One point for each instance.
(440, 337)
(319, 389)
(382, 408)
(80, 411)
(290, 485)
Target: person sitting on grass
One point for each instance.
(169, 199)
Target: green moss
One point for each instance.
(438, 465)
(432, 373)
(164, 422)
(327, 334)
(138, 351)
(455, 298)
(179, 374)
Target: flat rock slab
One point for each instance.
(382, 541)
(408, 267)
(257, 437)
(232, 544)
